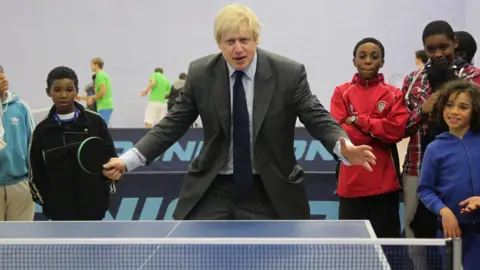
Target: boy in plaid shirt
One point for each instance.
(420, 89)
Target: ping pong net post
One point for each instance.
(222, 253)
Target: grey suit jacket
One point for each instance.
(281, 93)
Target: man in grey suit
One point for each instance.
(248, 100)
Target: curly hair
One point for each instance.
(455, 88)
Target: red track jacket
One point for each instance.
(381, 119)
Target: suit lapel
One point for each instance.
(263, 91)
(221, 92)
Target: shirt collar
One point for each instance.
(377, 80)
(249, 71)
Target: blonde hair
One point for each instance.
(234, 16)
(98, 61)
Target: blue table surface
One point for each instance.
(186, 229)
(153, 256)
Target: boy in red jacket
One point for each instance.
(372, 112)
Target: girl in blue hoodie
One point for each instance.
(450, 172)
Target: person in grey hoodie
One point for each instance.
(177, 86)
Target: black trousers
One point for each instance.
(381, 210)
(223, 201)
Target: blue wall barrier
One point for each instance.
(151, 193)
(310, 153)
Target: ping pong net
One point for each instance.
(224, 253)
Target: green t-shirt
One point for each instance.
(106, 102)
(161, 87)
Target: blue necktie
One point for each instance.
(242, 165)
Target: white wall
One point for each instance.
(472, 21)
(135, 37)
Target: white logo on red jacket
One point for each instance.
(381, 105)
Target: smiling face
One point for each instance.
(458, 113)
(440, 49)
(368, 60)
(238, 47)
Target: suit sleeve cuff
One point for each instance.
(133, 159)
(338, 151)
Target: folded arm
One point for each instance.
(339, 111)
(390, 129)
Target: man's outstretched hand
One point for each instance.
(358, 155)
(114, 168)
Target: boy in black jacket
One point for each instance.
(58, 183)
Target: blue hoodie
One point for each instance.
(450, 173)
(18, 124)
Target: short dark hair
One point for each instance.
(438, 28)
(467, 44)
(369, 40)
(182, 76)
(420, 54)
(59, 73)
(159, 70)
(1, 70)
(454, 88)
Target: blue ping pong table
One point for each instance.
(138, 245)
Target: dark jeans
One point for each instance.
(381, 210)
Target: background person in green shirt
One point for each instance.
(160, 89)
(103, 91)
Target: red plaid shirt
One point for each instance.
(416, 89)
